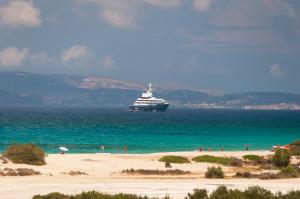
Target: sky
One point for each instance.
(214, 45)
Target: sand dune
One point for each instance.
(104, 175)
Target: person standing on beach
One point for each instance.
(102, 148)
(246, 147)
(125, 149)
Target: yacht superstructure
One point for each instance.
(147, 102)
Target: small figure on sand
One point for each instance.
(222, 149)
(102, 148)
(246, 147)
(200, 149)
(209, 149)
(125, 149)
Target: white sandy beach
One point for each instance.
(104, 175)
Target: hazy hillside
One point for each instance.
(26, 89)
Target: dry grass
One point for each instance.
(155, 172)
(18, 172)
(75, 173)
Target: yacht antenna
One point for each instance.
(150, 88)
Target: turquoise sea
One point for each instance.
(84, 130)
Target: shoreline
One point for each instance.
(104, 174)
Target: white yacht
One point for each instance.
(147, 102)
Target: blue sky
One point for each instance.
(216, 45)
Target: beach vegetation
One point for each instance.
(268, 176)
(25, 154)
(155, 172)
(174, 159)
(75, 173)
(281, 158)
(222, 192)
(198, 194)
(214, 172)
(18, 172)
(290, 171)
(235, 162)
(252, 157)
(89, 195)
(168, 165)
(294, 148)
(227, 161)
(244, 175)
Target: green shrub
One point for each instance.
(197, 194)
(258, 192)
(245, 175)
(255, 192)
(281, 158)
(268, 176)
(54, 195)
(174, 159)
(252, 157)
(290, 195)
(25, 154)
(295, 148)
(214, 172)
(88, 195)
(218, 160)
(221, 192)
(235, 162)
(289, 172)
(168, 165)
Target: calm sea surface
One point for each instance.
(83, 130)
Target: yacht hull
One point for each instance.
(151, 108)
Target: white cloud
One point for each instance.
(202, 5)
(75, 52)
(118, 13)
(20, 13)
(13, 57)
(119, 19)
(108, 63)
(276, 71)
(164, 3)
(125, 13)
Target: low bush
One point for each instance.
(214, 172)
(18, 172)
(25, 154)
(155, 172)
(88, 195)
(75, 173)
(245, 175)
(290, 171)
(295, 148)
(252, 157)
(197, 194)
(268, 176)
(174, 159)
(221, 192)
(281, 158)
(268, 167)
(168, 165)
(255, 192)
(228, 161)
(235, 162)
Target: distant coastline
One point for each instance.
(37, 90)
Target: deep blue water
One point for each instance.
(83, 130)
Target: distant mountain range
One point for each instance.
(27, 89)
